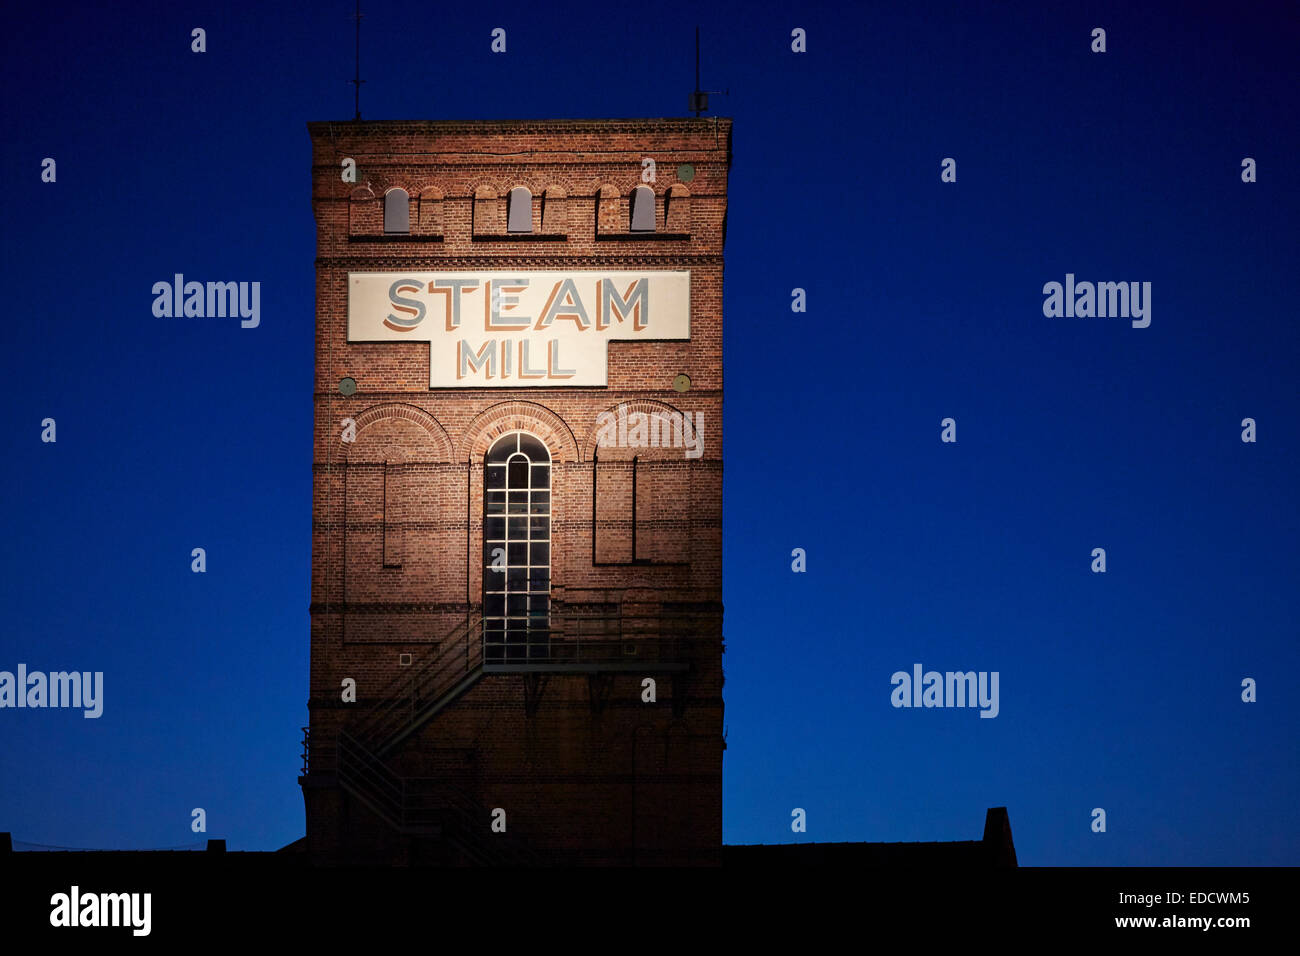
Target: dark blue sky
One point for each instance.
(1119, 691)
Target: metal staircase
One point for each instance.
(414, 697)
(424, 806)
(435, 807)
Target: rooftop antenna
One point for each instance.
(699, 101)
(357, 81)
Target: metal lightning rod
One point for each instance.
(357, 81)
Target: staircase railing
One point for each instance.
(572, 639)
(425, 689)
(306, 750)
(370, 780)
(426, 805)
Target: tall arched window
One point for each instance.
(516, 550)
(397, 211)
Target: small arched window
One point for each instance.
(643, 209)
(519, 214)
(397, 211)
(516, 549)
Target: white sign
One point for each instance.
(519, 328)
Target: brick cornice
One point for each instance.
(664, 258)
(676, 124)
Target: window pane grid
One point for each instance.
(516, 549)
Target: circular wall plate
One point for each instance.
(348, 386)
(682, 382)
(685, 172)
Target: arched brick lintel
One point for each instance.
(378, 413)
(494, 422)
(648, 405)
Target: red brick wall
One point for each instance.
(397, 514)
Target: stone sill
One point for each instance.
(637, 236)
(522, 237)
(395, 237)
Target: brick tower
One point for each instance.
(516, 612)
